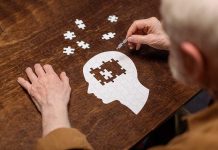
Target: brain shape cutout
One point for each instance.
(112, 76)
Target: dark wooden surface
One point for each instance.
(32, 31)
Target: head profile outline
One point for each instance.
(113, 76)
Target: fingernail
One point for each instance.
(130, 39)
(131, 48)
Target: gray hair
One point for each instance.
(194, 21)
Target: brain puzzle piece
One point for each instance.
(108, 36)
(108, 71)
(106, 74)
(68, 50)
(80, 24)
(112, 18)
(69, 35)
(83, 45)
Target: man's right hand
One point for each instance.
(51, 94)
(149, 32)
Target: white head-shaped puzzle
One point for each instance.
(113, 76)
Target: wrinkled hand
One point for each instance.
(50, 93)
(149, 32)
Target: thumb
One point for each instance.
(64, 78)
(139, 39)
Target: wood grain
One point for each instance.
(32, 32)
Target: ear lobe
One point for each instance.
(193, 61)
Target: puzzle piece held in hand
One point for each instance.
(121, 44)
(112, 18)
(80, 24)
(69, 35)
(83, 45)
(108, 36)
(68, 50)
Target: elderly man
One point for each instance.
(192, 38)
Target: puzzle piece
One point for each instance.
(121, 44)
(69, 35)
(80, 24)
(108, 36)
(68, 50)
(77, 22)
(106, 74)
(108, 71)
(83, 45)
(112, 18)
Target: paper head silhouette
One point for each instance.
(113, 76)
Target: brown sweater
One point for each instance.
(202, 135)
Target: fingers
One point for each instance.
(25, 84)
(143, 24)
(131, 45)
(31, 75)
(49, 69)
(64, 78)
(137, 25)
(139, 39)
(134, 28)
(140, 27)
(39, 70)
(138, 46)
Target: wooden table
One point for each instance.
(32, 31)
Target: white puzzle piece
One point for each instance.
(108, 36)
(68, 50)
(80, 24)
(113, 76)
(112, 18)
(83, 45)
(69, 35)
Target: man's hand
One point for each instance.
(147, 31)
(50, 93)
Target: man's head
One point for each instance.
(192, 26)
(108, 73)
(113, 76)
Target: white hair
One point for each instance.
(194, 21)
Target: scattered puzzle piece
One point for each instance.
(112, 18)
(68, 50)
(108, 36)
(77, 22)
(80, 24)
(83, 45)
(69, 35)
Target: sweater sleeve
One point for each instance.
(64, 139)
(202, 133)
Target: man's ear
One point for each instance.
(193, 61)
